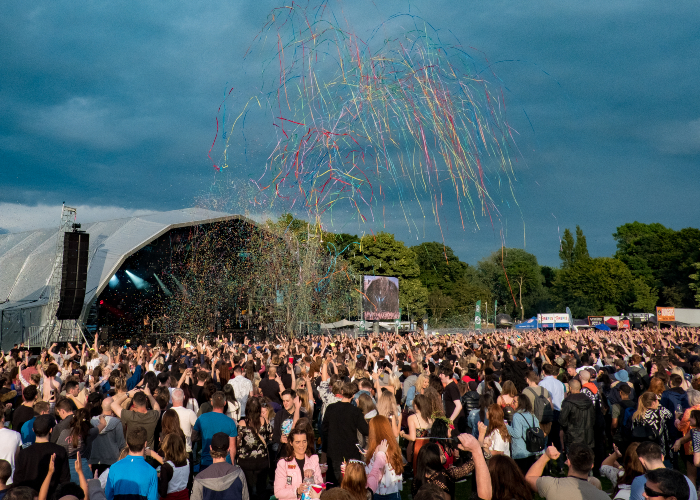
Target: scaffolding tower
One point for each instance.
(55, 330)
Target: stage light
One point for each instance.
(139, 283)
(114, 281)
(167, 292)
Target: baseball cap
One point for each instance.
(220, 442)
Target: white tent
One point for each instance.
(27, 259)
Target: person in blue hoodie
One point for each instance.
(675, 400)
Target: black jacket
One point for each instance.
(577, 418)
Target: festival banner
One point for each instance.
(477, 316)
(665, 314)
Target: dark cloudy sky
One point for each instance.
(111, 106)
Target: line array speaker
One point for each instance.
(73, 275)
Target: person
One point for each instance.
(214, 422)
(242, 388)
(509, 395)
(430, 469)
(622, 477)
(557, 392)
(507, 480)
(652, 458)
(27, 432)
(5, 474)
(10, 443)
(499, 439)
(522, 420)
(651, 422)
(120, 481)
(254, 434)
(285, 419)
(107, 445)
(355, 481)
(187, 418)
(233, 408)
(389, 461)
(64, 410)
(450, 395)
(25, 411)
(78, 438)
(290, 471)
(346, 420)
(33, 462)
(418, 426)
(431, 492)
(577, 417)
(480, 414)
(175, 478)
(666, 484)
(221, 479)
(140, 415)
(269, 386)
(573, 487)
(683, 425)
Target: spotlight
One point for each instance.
(113, 281)
(139, 283)
(167, 292)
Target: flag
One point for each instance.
(477, 317)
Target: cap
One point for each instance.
(43, 424)
(220, 442)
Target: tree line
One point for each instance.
(653, 266)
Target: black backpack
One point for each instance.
(542, 409)
(535, 440)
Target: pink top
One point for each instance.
(288, 477)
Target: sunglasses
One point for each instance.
(652, 493)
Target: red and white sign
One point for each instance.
(665, 314)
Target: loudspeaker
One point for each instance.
(73, 275)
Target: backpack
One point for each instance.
(535, 440)
(542, 408)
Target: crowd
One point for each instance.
(563, 415)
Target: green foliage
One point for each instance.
(382, 255)
(524, 281)
(570, 251)
(662, 258)
(601, 286)
(695, 284)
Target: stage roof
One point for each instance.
(26, 259)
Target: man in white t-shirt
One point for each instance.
(187, 416)
(242, 387)
(10, 443)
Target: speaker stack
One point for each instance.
(73, 275)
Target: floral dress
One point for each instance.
(252, 454)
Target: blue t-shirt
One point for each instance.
(131, 478)
(209, 424)
(27, 432)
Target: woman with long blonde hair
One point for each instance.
(509, 395)
(384, 460)
(649, 422)
(386, 406)
(355, 481)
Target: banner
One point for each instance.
(665, 314)
(381, 298)
(477, 316)
(553, 318)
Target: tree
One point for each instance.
(571, 251)
(662, 257)
(522, 279)
(695, 284)
(439, 304)
(382, 255)
(601, 286)
(566, 249)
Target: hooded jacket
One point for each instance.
(220, 480)
(577, 418)
(108, 443)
